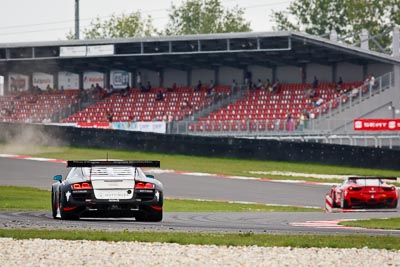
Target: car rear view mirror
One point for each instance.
(150, 176)
(57, 177)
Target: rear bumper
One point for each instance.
(86, 205)
(371, 199)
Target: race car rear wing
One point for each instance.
(374, 177)
(115, 163)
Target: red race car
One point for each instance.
(365, 191)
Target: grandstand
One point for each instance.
(126, 64)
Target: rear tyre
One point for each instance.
(53, 204)
(344, 204)
(394, 204)
(63, 214)
(155, 216)
(334, 205)
(149, 216)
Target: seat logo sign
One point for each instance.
(377, 124)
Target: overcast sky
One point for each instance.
(51, 20)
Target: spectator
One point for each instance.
(275, 86)
(138, 79)
(371, 82)
(186, 105)
(159, 96)
(289, 122)
(268, 86)
(48, 89)
(62, 89)
(149, 87)
(211, 86)
(9, 111)
(259, 84)
(301, 121)
(173, 88)
(198, 86)
(315, 83)
(353, 91)
(234, 85)
(109, 115)
(339, 85)
(143, 88)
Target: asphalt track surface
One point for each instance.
(38, 174)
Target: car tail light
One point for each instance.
(81, 186)
(144, 185)
(392, 188)
(352, 188)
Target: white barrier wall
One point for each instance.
(1, 85)
(18, 82)
(120, 79)
(68, 80)
(91, 78)
(42, 80)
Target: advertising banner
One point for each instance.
(100, 50)
(18, 82)
(377, 124)
(42, 80)
(91, 78)
(119, 79)
(68, 80)
(72, 51)
(142, 126)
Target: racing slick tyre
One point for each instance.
(334, 205)
(53, 204)
(63, 214)
(344, 204)
(394, 205)
(155, 216)
(149, 216)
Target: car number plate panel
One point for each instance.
(113, 194)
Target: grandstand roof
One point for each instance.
(269, 49)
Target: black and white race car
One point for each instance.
(108, 189)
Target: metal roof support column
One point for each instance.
(6, 87)
(107, 79)
(80, 80)
(274, 73)
(55, 80)
(132, 79)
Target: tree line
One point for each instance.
(315, 17)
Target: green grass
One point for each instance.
(391, 223)
(224, 166)
(220, 239)
(26, 198)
